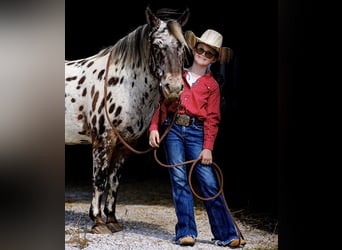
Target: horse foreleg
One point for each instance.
(110, 205)
(100, 173)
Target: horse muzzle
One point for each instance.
(172, 94)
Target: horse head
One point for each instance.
(168, 49)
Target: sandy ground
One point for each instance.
(146, 212)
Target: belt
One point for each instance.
(186, 120)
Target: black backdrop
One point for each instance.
(247, 145)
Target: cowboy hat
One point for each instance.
(213, 39)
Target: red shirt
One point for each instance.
(201, 100)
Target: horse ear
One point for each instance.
(183, 19)
(151, 18)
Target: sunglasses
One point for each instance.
(207, 53)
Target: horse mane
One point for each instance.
(134, 48)
(128, 49)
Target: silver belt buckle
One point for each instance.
(182, 120)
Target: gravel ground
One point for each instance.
(148, 219)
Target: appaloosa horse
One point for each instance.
(146, 62)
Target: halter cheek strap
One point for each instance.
(154, 70)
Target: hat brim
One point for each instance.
(211, 46)
(225, 53)
(192, 40)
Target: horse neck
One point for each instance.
(133, 49)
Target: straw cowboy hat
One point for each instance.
(213, 39)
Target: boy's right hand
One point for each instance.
(154, 138)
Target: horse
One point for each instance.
(128, 78)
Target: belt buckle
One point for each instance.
(182, 120)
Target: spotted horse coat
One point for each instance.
(142, 63)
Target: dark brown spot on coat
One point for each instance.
(81, 108)
(84, 92)
(71, 78)
(83, 62)
(117, 122)
(113, 81)
(89, 64)
(100, 75)
(101, 125)
(111, 108)
(118, 111)
(92, 91)
(80, 117)
(96, 97)
(141, 124)
(100, 107)
(82, 80)
(73, 100)
(93, 120)
(130, 129)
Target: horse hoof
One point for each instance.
(114, 227)
(100, 229)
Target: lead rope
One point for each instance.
(112, 125)
(107, 115)
(219, 175)
(217, 169)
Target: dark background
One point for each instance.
(247, 148)
(278, 145)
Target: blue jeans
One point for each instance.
(183, 144)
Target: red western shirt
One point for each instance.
(202, 100)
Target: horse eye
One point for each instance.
(155, 47)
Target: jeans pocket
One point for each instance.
(197, 126)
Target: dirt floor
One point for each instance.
(146, 212)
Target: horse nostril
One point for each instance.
(167, 86)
